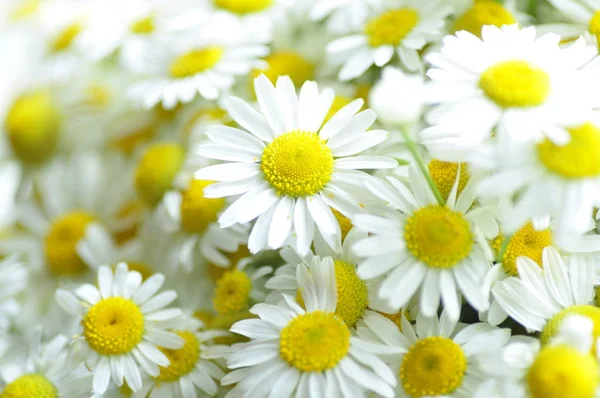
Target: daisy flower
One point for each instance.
(472, 15)
(421, 247)
(203, 60)
(395, 26)
(46, 372)
(584, 17)
(437, 357)
(289, 166)
(13, 280)
(522, 86)
(300, 352)
(123, 324)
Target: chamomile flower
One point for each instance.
(401, 27)
(438, 357)
(584, 16)
(46, 372)
(521, 86)
(13, 280)
(297, 351)
(123, 324)
(289, 166)
(472, 15)
(203, 60)
(421, 247)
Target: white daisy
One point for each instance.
(421, 247)
(306, 352)
(472, 15)
(584, 16)
(395, 26)
(46, 372)
(203, 60)
(510, 82)
(13, 280)
(289, 166)
(438, 357)
(123, 323)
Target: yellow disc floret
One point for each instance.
(444, 176)
(351, 292)
(61, 241)
(438, 236)
(486, 12)
(156, 170)
(66, 37)
(195, 61)
(183, 360)
(30, 386)
(595, 26)
(286, 63)
(579, 158)
(314, 342)
(198, 212)
(232, 292)
(525, 242)
(433, 366)
(113, 326)
(562, 372)
(552, 326)
(243, 6)
(143, 26)
(391, 27)
(33, 125)
(515, 84)
(297, 163)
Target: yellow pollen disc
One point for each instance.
(525, 242)
(344, 222)
(65, 38)
(30, 386)
(286, 63)
(315, 341)
(142, 268)
(143, 26)
(591, 312)
(156, 170)
(595, 26)
(391, 27)
(444, 176)
(243, 6)
(515, 84)
(561, 372)
(338, 103)
(182, 360)
(438, 236)
(113, 326)
(33, 125)
(433, 366)
(232, 292)
(198, 212)
(487, 12)
(579, 158)
(195, 61)
(24, 9)
(61, 241)
(297, 163)
(216, 271)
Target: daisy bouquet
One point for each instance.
(319, 198)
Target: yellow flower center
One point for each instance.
(30, 386)
(433, 366)
(515, 84)
(391, 27)
(486, 12)
(156, 170)
(66, 37)
(344, 222)
(444, 176)
(591, 312)
(182, 360)
(198, 212)
(195, 61)
(525, 242)
(61, 241)
(595, 26)
(243, 6)
(113, 326)
(297, 163)
(561, 371)
(314, 342)
(438, 236)
(32, 125)
(579, 158)
(232, 292)
(286, 63)
(143, 26)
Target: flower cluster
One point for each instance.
(317, 198)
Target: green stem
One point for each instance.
(419, 160)
(503, 248)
